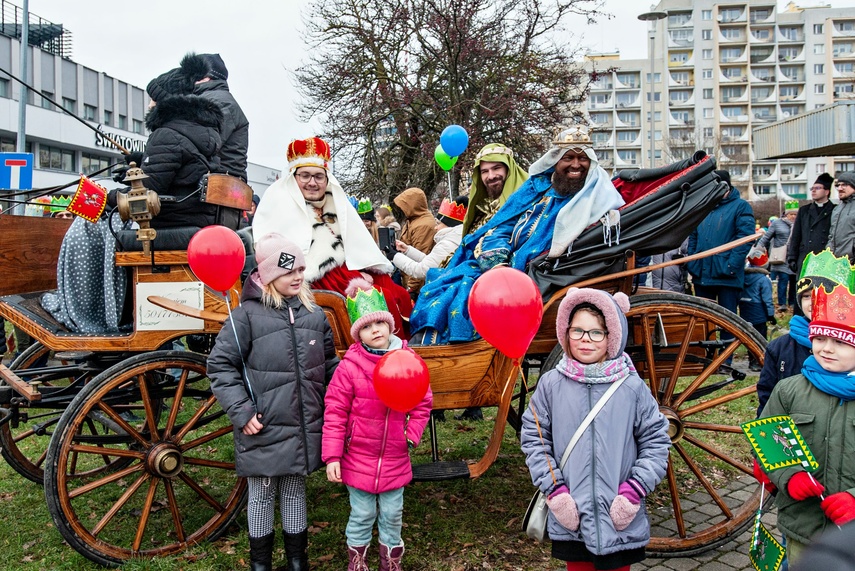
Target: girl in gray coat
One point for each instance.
(596, 516)
(269, 368)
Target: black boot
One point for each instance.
(296, 550)
(261, 553)
(471, 413)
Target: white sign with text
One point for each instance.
(151, 317)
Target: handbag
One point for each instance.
(778, 254)
(534, 521)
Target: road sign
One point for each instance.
(16, 171)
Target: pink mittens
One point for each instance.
(563, 507)
(626, 504)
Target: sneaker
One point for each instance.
(471, 413)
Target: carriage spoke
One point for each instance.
(648, 350)
(40, 460)
(23, 435)
(710, 449)
(206, 438)
(146, 510)
(191, 424)
(202, 493)
(104, 481)
(176, 404)
(713, 427)
(173, 509)
(101, 451)
(114, 509)
(718, 401)
(675, 499)
(209, 463)
(130, 430)
(711, 369)
(704, 482)
(678, 362)
(150, 419)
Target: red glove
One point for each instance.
(761, 477)
(802, 486)
(839, 507)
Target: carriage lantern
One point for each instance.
(140, 205)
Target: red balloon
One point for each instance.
(216, 255)
(401, 380)
(506, 309)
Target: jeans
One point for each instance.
(363, 512)
(786, 287)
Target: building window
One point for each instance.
(818, 29)
(630, 157)
(138, 126)
(819, 49)
(706, 54)
(69, 105)
(657, 77)
(89, 112)
(93, 163)
(706, 74)
(708, 93)
(657, 117)
(55, 158)
(45, 103)
(108, 117)
(706, 14)
(708, 112)
(627, 136)
(678, 57)
(708, 132)
(656, 96)
(819, 69)
(819, 88)
(706, 34)
(679, 96)
(4, 88)
(123, 122)
(820, 168)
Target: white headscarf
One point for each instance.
(596, 199)
(284, 210)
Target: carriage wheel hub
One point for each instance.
(675, 423)
(165, 460)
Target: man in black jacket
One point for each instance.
(813, 221)
(209, 73)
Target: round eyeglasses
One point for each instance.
(306, 177)
(595, 335)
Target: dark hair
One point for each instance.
(590, 308)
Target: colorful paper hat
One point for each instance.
(453, 213)
(833, 314)
(312, 152)
(759, 260)
(59, 203)
(791, 206)
(364, 206)
(365, 304)
(826, 270)
(89, 200)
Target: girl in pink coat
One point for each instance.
(365, 443)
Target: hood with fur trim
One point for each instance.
(613, 308)
(198, 119)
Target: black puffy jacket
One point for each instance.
(289, 362)
(235, 130)
(182, 147)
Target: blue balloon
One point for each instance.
(454, 140)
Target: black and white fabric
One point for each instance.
(90, 288)
(261, 503)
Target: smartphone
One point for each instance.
(387, 238)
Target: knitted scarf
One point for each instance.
(607, 371)
(799, 331)
(840, 385)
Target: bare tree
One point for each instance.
(385, 78)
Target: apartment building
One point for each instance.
(720, 69)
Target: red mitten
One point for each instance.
(839, 507)
(802, 486)
(761, 477)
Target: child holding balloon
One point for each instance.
(596, 515)
(362, 433)
(268, 369)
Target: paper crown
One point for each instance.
(576, 137)
(833, 314)
(452, 210)
(312, 152)
(826, 270)
(364, 301)
(364, 206)
(791, 205)
(59, 203)
(89, 200)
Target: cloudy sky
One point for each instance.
(261, 42)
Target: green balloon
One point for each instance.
(445, 162)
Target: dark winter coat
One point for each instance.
(290, 358)
(810, 233)
(784, 358)
(182, 148)
(235, 130)
(755, 303)
(730, 220)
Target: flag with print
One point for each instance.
(89, 200)
(778, 444)
(766, 553)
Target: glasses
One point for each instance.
(817, 187)
(595, 335)
(306, 177)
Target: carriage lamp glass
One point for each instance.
(139, 203)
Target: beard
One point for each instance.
(567, 186)
(494, 188)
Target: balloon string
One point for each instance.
(240, 351)
(450, 194)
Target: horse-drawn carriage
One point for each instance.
(137, 458)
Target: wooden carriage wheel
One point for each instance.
(708, 494)
(24, 446)
(178, 487)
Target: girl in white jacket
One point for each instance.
(449, 232)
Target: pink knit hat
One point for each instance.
(277, 256)
(613, 309)
(365, 304)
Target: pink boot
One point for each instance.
(390, 558)
(356, 558)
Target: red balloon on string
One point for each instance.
(506, 309)
(216, 255)
(401, 380)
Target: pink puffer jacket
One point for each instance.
(366, 436)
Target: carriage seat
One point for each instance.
(167, 239)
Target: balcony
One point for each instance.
(843, 29)
(761, 16)
(754, 38)
(762, 56)
(791, 57)
(843, 52)
(791, 38)
(595, 105)
(732, 16)
(758, 118)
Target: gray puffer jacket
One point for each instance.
(290, 358)
(627, 439)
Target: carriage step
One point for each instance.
(19, 385)
(436, 471)
(73, 355)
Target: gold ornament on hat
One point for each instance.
(576, 138)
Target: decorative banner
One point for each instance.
(778, 444)
(89, 200)
(766, 553)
